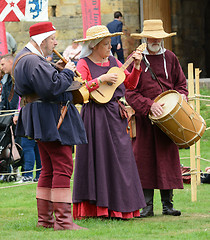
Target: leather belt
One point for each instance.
(32, 98)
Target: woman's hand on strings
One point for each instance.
(137, 59)
(109, 77)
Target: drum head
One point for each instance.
(170, 101)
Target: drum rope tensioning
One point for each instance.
(179, 120)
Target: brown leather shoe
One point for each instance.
(63, 217)
(45, 213)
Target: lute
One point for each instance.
(104, 93)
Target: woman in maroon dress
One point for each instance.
(106, 181)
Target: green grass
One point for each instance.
(18, 217)
(18, 214)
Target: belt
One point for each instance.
(33, 98)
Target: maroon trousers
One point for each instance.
(53, 190)
(57, 165)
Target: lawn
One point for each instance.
(18, 217)
(18, 214)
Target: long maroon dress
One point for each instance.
(106, 180)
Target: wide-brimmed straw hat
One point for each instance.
(98, 31)
(153, 29)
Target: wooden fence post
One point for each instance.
(198, 150)
(192, 148)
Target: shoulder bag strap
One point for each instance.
(11, 94)
(153, 74)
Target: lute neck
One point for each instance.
(130, 60)
(127, 63)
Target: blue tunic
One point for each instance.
(38, 120)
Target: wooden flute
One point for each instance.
(65, 61)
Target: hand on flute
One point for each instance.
(60, 64)
(64, 62)
(71, 66)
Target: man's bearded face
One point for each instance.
(154, 45)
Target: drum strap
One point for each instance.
(154, 76)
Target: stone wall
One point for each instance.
(67, 17)
(131, 20)
(188, 20)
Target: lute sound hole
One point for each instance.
(109, 83)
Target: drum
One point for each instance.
(179, 120)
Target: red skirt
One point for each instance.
(85, 209)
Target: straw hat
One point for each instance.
(98, 31)
(153, 29)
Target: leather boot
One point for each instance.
(63, 217)
(148, 210)
(166, 199)
(45, 213)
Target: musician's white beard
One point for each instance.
(154, 47)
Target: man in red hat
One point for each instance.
(43, 89)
